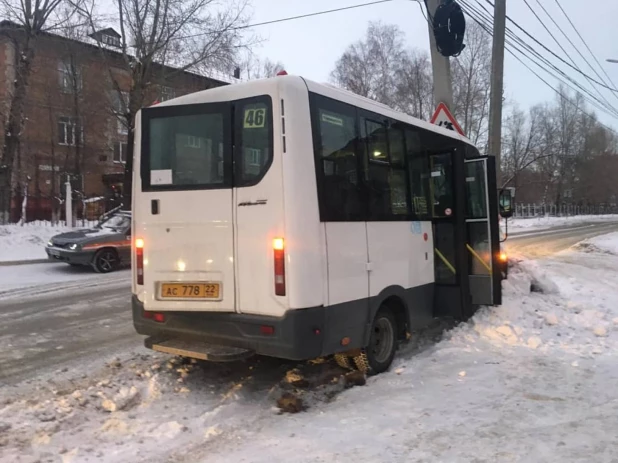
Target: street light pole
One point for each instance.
(610, 60)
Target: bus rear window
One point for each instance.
(186, 148)
(253, 141)
(189, 147)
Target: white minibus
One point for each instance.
(287, 218)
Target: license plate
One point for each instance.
(53, 252)
(190, 291)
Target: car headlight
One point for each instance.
(50, 244)
(73, 247)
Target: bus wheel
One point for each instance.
(344, 361)
(379, 354)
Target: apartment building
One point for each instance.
(74, 124)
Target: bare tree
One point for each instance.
(471, 84)
(29, 20)
(252, 67)
(189, 35)
(414, 90)
(522, 144)
(370, 66)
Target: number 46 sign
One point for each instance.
(443, 118)
(254, 118)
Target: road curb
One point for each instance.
(25, 262)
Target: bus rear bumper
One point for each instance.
(298, 335)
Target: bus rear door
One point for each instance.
(184, 213)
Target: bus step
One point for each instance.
(198, 350)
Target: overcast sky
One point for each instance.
(310, 46)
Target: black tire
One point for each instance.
(106, 261)
(344, 361)
(378, 355)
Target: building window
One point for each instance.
(70, 131)
(70, 77)
(193, 142)
(253, 157)
(120, 106)
(167, 93)
(120, 152)
(110, 40)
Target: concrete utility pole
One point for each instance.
(497, 86)
(442, 80)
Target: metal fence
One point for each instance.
(564, 210)
(51, 210)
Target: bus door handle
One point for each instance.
(154, 207)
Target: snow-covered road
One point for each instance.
(53, 314)
(533, 380)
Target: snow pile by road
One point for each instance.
(541, 223)
(532, 380)
(26, 243)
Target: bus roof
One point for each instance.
(273, 84)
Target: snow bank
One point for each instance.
(541, 223)
(27, 242)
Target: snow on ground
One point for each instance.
(542, 223)
(32, 279)
(27, 242)
(532, 380)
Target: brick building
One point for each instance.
(73, 115)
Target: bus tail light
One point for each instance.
(279, 250)
(139, 260)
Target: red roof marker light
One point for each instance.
(282, 73)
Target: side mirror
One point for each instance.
(505, 201)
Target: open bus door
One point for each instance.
(466, 233)
(482, 231)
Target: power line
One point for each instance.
(563, 49)
(482, 22)
(488, 18)
(516, 24)
(584, 42)
(596, 102)
(423, 11)
(280, 20)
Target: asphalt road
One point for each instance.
(62, 328)
(535, 244)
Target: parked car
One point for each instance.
(106, 247)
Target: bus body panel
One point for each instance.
(189, 241)
(305, 243)
(348, 272)
(399, 255)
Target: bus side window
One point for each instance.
(385, 169)
(336, 158)
(418, 171)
